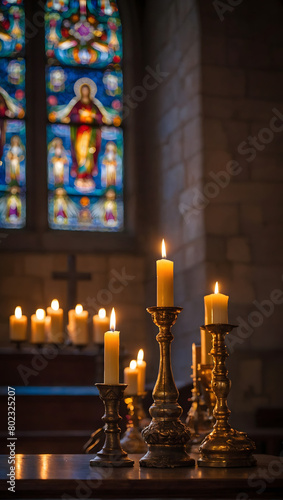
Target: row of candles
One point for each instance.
(216, 311)
(48, 326)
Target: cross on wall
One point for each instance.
(72, 276)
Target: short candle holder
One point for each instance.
(224, 446)
(166, 435)
(112, 454)
(132, 441)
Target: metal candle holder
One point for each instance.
(132, 441)
(224, 446)
(200, 415)
(166, 435)
(112, 453)
(205, 374)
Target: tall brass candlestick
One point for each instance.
(224, 446)
(166, 435)
(112, 453)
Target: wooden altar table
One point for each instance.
(70, 476)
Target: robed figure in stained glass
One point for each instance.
(81, 112)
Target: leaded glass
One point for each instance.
(84, 106)
(12, 112)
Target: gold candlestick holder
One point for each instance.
(112, 453)
(224, 446)
(166, 436)
(205, 374)
(200, 418)
(132, 441)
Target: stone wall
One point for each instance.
(224, 87)
(243, 122)
(173, 164)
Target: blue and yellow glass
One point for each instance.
(12, 113)
(84, 85)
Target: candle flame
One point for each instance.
(216, 288)
(140, 355)
(40, 314)
(163, 249)
(79, 309)
(18, 312)
(113, 320)
(102, 313)
(133, 364)
(55, 305)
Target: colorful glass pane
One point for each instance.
(12, 111)
(12, 173)
(84, 177)
(83, 33)
(12, 88)
(91, 96)
(12, 28)
(84, 83)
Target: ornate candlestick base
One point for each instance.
(112, 453)
(166, 435)
(132, 441)
(224, 446)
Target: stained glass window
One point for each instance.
(12, 113)
(84, 106)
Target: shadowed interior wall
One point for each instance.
(223, 84)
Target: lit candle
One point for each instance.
(206, 346)
(131, 374)
(38, 327)
(80, 326)
(54, 323)
(111, 353)
(18, 325)
(165, 285)
(195, 359)
(216, 307)
(100, 324)
(141, 366)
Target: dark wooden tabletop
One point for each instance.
(70, 476)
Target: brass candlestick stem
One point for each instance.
(200, 415)
(224, 446)
(166, 435)
(205, 374)
(112, 453)
(132, 441)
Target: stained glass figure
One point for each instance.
(85, 141)
(12, 112)
(83, 33)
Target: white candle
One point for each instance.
(18, 325)
(165, 280)
(100, 324)
(80, 326)
(141, 366)
(206, 346)
(54, 323)
(111, 353)
(38, 327)
(216, 307)
(131, 374)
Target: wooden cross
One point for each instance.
(72, 277)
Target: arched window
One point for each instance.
(84, 106)
(12, 113)
(83, 48)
